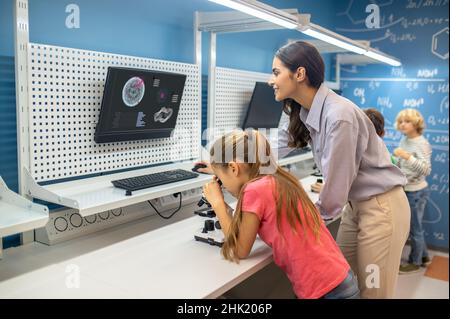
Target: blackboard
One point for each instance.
(416, 32)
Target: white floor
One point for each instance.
(418, 286)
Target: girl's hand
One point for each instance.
(207, 169)
(213, 193)
(400, 152)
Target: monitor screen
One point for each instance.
(139, 104)
(263, 110)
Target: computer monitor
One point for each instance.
(263, 110)
(139, 104)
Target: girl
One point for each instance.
(414, 156)
(272, 203)
(355, 165)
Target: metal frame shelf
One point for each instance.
(17, 214)
(97, 194)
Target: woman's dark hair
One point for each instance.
(294, 55)
(377, 119)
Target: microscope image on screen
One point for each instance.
(163, 115)
(140, 122)
(139, 104)
(133, 91)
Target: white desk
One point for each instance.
(128, 261)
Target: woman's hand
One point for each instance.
(206, 170)
(400, 152)
(316, 187)
(213, 193)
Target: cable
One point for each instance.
(170, 216)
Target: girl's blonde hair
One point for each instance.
(412, 116)
(253, 149)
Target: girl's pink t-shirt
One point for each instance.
(313, 267)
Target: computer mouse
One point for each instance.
(197, 166)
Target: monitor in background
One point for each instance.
(263, 110)
(139, 104)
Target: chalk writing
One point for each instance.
(421, 22)
(437, 88)
(384, 101)
(441, 157)
(413, 102)
(360, 92)
(412, 86)
(412, 4)
(426, 73)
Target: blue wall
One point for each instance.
(408, 28)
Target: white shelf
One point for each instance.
(17, 214)
(96, 194)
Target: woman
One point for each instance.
(355, 164)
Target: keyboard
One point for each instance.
(155, 179)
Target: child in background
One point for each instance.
(377, 119)
(414, 159)
(273, 204)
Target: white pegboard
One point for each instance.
(65, 93)
(234, 90)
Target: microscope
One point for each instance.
(211, 231)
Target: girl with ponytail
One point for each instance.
(273, 205)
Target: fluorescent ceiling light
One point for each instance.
(286, 20)
(382, 58)
(334, 41)
(259, 10)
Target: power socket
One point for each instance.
(67, 224)
(171, 202)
